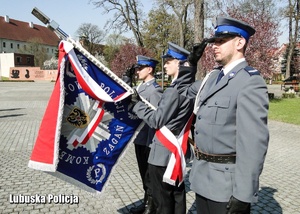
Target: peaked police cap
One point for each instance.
(228, 27)
(145, 61)
(176, 52)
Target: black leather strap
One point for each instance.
(227, 159)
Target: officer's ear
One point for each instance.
(241, 43)
(150, 70)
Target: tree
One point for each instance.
(208, 11)
(158, 29)
(263, 16)
(102, 59)
(293, 14)
(91, 37)
(50, 64)
(38, 50)
(128, 16)
(198, 20)
(207, 62)
(126, 57)
(113, 43)
(199, 28)
(181, 10)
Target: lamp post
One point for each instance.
(162, 72)
(50, 24)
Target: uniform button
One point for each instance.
(196, 132)
(205, 103)
(216, 103)
(199, 117)
(226, 168)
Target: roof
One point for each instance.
(21, 31)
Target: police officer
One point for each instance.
(173, 111)
(151, 91)
(231, 133)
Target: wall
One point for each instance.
(21, 47)
(31, 73)
(6, 61)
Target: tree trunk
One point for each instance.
(199, 29)
(181, 33)
(199, 20)
(292, 38)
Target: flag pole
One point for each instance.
(54, 26)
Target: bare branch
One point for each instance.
(127, 16)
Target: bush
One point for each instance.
(271, 95)
(288, 95)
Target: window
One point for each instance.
(19, 59)
(18, 46)
(47, 50)
(4, 44)
(11, 45)
(28, 60)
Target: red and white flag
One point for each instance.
(88, 122)
(176, 169)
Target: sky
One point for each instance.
(69, 14)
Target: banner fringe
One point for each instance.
(60, 116)
(74, 182)
(41, 166)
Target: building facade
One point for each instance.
(24, 42)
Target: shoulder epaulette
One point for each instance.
(155, 84)
(251, 71)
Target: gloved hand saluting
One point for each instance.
(130, 71)
(135, 97)
(236, 206)
(197, 52)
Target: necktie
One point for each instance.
(221, 74)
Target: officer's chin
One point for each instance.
(217, 58)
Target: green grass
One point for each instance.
(4, 78)
(285, 110)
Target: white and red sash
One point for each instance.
(176, 169)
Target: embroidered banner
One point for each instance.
(88, 122)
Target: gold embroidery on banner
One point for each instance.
(78, 118)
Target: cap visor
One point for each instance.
(166, 56)
(213, 39)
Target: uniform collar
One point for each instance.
(174, 80)
(149, 81)
(229, 67)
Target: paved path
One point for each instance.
(22, 106)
